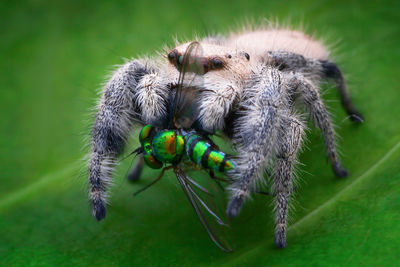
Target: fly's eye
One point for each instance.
(172, 56)
(217, 63)
(152, 162)
(145, 133)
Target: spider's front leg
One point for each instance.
(255, 133)
(134, 93)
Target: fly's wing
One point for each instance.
(192, 68)
(204, 204)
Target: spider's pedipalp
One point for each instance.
(216, 105)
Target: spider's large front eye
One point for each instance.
(217, 63)
(172, 56)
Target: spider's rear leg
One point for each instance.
(288, 61)
(312, 99)
(289, 142)
(331, 70)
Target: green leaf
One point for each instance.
(55, 56)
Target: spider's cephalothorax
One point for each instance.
(251, 82)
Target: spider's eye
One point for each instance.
(217, 63)
(247, 56)
(172, 56)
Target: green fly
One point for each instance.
(179, 144)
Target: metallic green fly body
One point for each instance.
(170, 147)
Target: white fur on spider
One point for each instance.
(151, 95)
(250, 97)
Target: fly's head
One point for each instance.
(146, 138)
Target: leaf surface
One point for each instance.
(56, 55)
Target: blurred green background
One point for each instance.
(55, 56)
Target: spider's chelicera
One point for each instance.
(254, 88)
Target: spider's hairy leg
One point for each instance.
(331, 70)
(322, 68)
(117, 110)
(289, 140)
(290, 61)
(216, 105)
(309, 93)
(255, 134)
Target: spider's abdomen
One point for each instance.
(205, 155)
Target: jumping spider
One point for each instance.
(251, 87)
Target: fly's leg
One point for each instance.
(218, 180)
(213, 176)
(154, 182)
